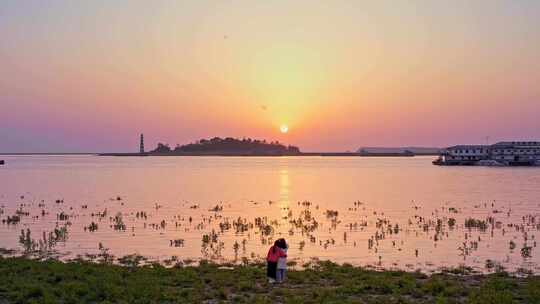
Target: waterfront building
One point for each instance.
(507, 153)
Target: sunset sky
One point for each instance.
(91, 75)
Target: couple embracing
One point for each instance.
(277, 261)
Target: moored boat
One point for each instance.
(489, 163)
(439, 161)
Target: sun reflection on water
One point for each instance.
(284, 185)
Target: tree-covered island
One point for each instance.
(228, 146)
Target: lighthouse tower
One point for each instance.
(141, 148)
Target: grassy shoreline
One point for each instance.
(32, 281)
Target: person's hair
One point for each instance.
(276, 244)
(281, 243)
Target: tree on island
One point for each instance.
(229, 145)
(162, 148)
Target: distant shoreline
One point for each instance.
(322, 154)
(50, 153)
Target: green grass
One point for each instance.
(30, 281)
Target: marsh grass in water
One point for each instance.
(51, 281)
(413, 239)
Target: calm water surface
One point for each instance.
(391, 212)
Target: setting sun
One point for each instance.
(284, 129)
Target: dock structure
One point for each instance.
(141, 146)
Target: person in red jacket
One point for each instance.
(272, 258)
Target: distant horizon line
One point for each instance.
(307, 152)
(319, 151)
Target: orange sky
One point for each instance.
(344, 74)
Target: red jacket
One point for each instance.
(274, 256)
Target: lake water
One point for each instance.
(391, 212)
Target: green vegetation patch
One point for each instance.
(31, 281)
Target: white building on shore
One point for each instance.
(506, 153)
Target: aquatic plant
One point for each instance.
(104, 256)
(12, 220)
(476, 223)
(119, 222)
(92, 227)
(45, 245)
(177, 243)
(131, 260)
(141, 214)
(211, 246)
(331, 214)
(60, 234)
(62, 216)
(25, 239)
(21, 212)
(266, 230)
(236, 247)
(526, 251)
(216, 208)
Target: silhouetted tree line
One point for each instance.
(229, 145)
